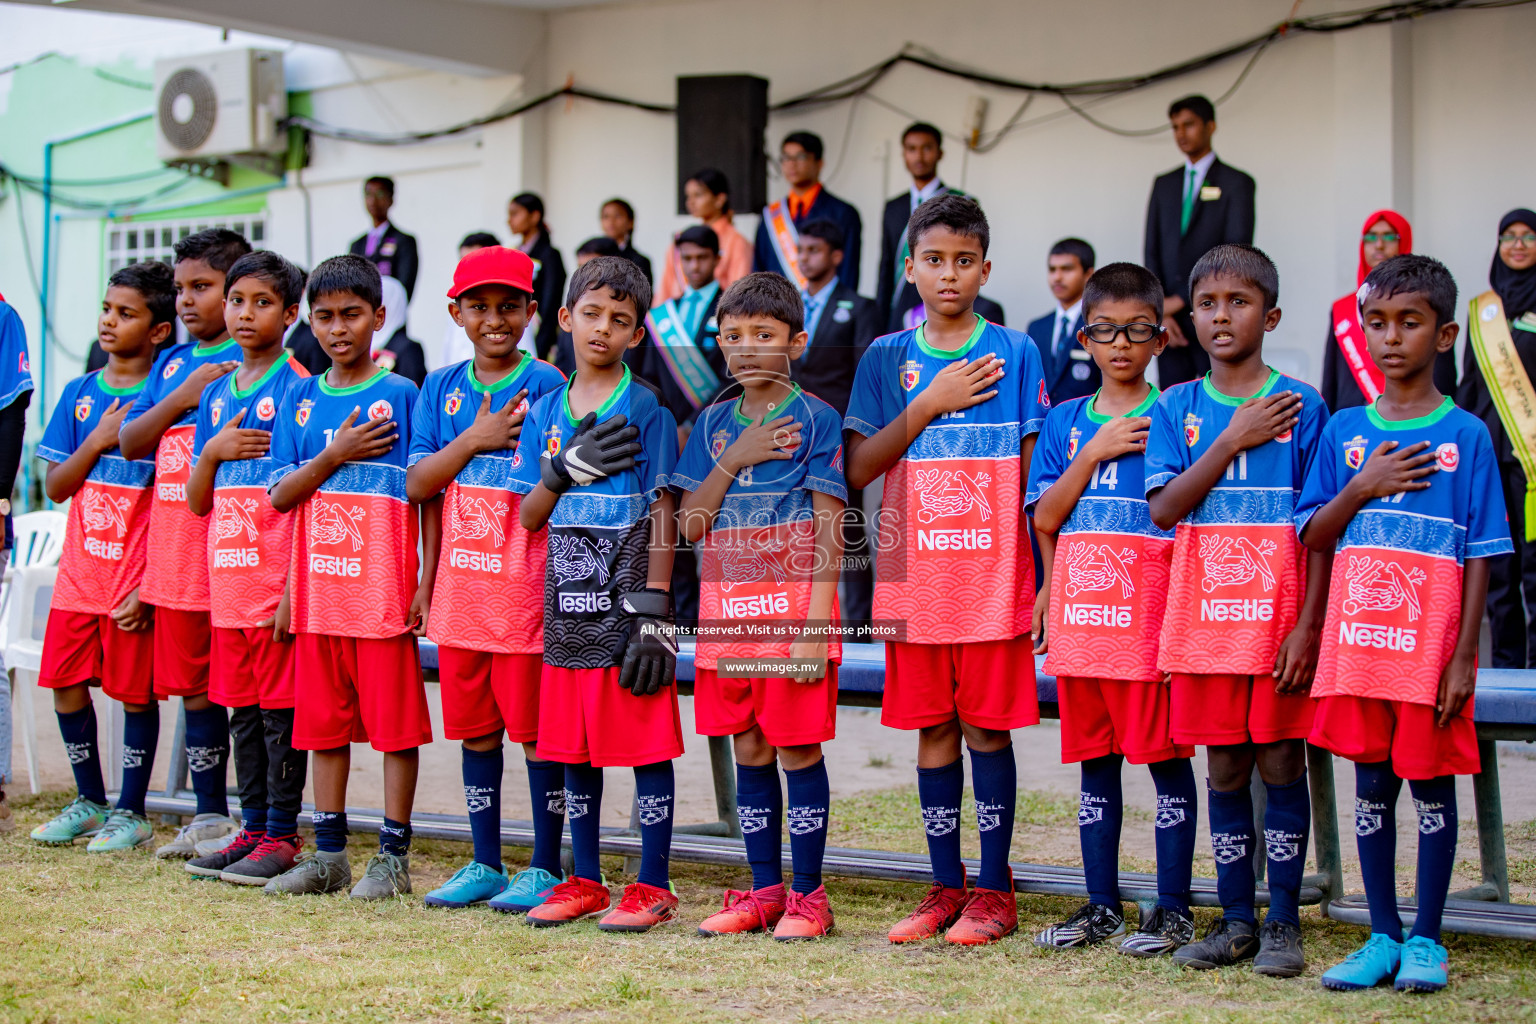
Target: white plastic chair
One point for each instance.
(39, 541)
(31, 594)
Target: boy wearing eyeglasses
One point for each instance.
(1102, 607)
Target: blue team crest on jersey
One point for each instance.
(718, 442)
(1192, 429)
(216, 410)
(1072, 438)
(454, 403)
(266, 408)
(171, 368)
(301, 417)
(552, 440)
(83, 408)
(911, 373)
(1354, 452)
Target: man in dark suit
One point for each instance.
(384, 245)
(1193, 209)
(922, 147)
(618, 223)
(777, 248)
(840, 324)
(1070, 371)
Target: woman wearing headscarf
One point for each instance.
(525, 218)
(707, 194)
(1501, 350)
(1350, 378)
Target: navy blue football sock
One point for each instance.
(546, 788)
(654, 791)
(583, 808)
(938, 791)
(810, 796)
(207, 756)
(1100, 810)
(1174, 831)
(1287, 821)
(330, 831)
(78, 728)
(395, 837)
(1435, 800)
(995, 783)
(760, 810)
(141, 734)
(255, 819)
(280, 824)
(482, 795)
(1376, 791)
(1232, 845)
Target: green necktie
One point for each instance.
(1189, 201)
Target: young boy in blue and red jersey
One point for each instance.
(949, 412)
(98, 629)
(339, 450)
(161, 422)
(487, 582)
(593, 463)
(1225, 461)
(1106, 596)
(763, 493)
(250, 547)
(1406, 493)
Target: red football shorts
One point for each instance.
(79, 646)
(183, 641)
(1367, 730)
(248, 667)
(355, 690)
(1221, 710)
(790, 713)
(989, 684)
(1115, 716)
(483, 692)
(585, 716)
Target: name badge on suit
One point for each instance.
(1081, 363)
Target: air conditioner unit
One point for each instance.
(219, 105)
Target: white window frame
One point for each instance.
(155, 239)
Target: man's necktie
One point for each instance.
(1189, 201)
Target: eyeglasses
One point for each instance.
(1138, 334)
(1529, 241)
(1371, 237)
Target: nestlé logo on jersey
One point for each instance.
(1354, 452)
(755, 606)
(1192, 429)
(911, 373)
(455, 402)
(266, 408)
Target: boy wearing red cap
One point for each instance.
(487, 578)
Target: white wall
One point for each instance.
(1318, 123)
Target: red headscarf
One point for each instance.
(1404, 238)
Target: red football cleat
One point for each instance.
(805, 917)
(572, 900)
(756, 910)
(989, 915)
(642, 908)
(939, 909)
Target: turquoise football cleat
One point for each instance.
(471, 884)
(529, 888)
(1370, 965)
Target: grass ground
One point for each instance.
(126, 938)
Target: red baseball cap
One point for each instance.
(494, 264)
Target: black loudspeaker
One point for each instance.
(721, 120)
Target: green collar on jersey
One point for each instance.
(939, 353)
(747, 421)
(1417, 423)
(330, 389)
(272, 371)
(132, 389)
(505, 382)
(602, 410)
(1140, 410)
(219, 346)
(1210, 389)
